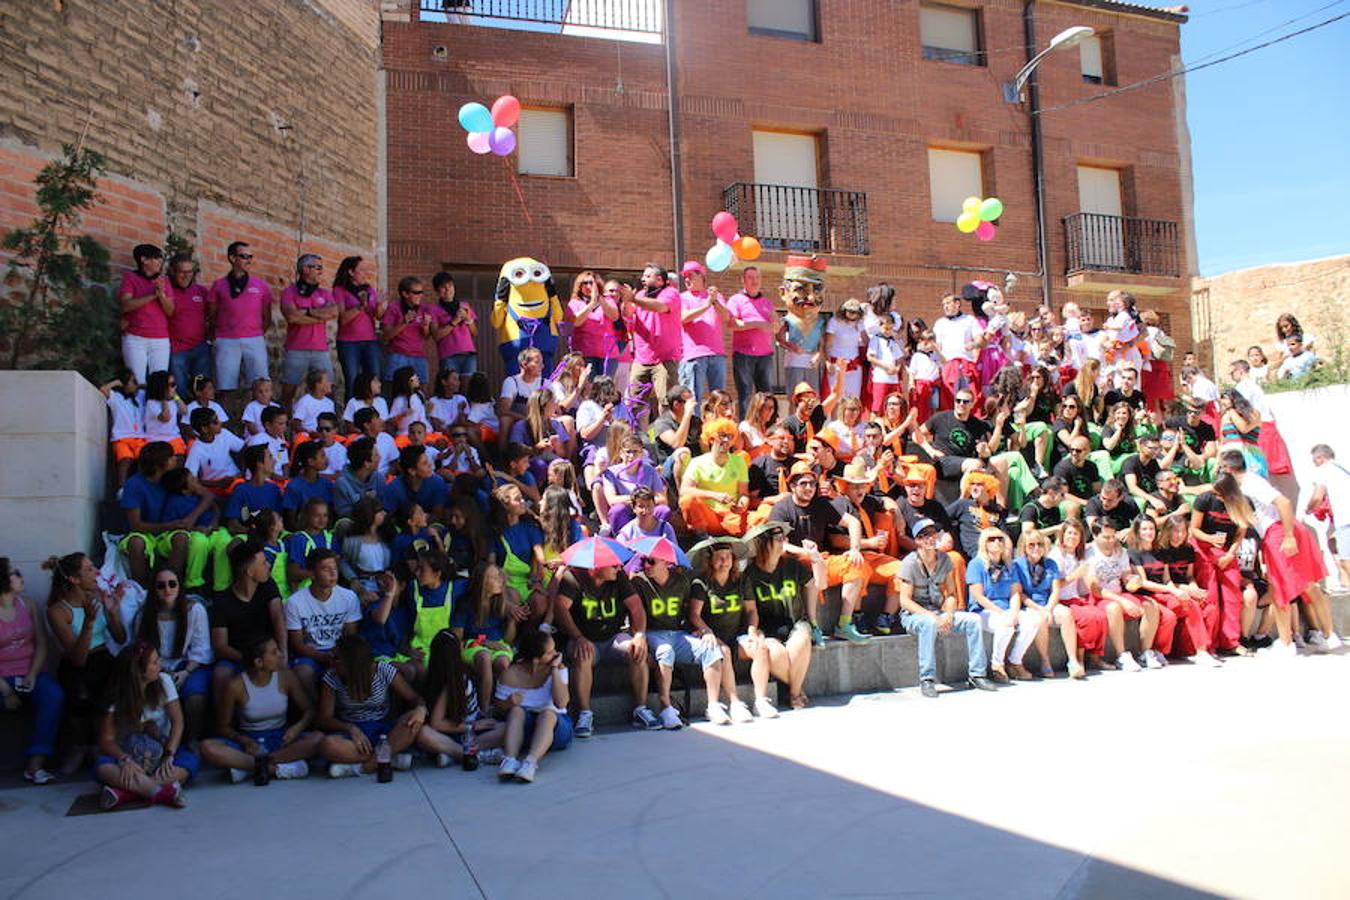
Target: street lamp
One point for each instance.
(1069, 37)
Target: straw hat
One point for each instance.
(854, 473)
(699, 553)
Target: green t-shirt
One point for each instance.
(709, 476)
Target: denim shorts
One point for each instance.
(562, 730)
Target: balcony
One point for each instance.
(625, 20)
(799, 219)
(1110, 252)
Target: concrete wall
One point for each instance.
(53, 468)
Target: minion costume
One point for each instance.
(527, 312)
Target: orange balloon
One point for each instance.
(747, 248)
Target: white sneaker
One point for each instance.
(1317, 641)
(297, 769)
(402, 761)
(509, 767)
(765, 709)
(1205, 658)
(645, 718)
(443, 760)
(343, 770)
(1299, 642)
(1154, 660)
(670, 718)
(239, 776)
(740, 713)
(717, 713)
(1280, 650)
(585, 724)
(527, 770)
(1127, 663)
(1334, 641)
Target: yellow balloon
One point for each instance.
(971, 205)
(968, 222)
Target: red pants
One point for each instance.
(1272, 445)
(879, 394)
(956, 374)
(1225, 595)
(1198, 618)
(921, 397)
(1167, 620)
(1090, 624)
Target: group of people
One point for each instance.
(438, 567)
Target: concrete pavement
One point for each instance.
(1180, 783)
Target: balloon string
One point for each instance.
(515, 183)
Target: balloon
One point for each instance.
(745, 247)
(991, 209)
(971, 205)
(502, 141)
(719, 256)
(986, 231)
(475, 117)
(478, 141)
(724, 226)
(505, 111)
(967, 222)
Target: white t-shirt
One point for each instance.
(1074, 588)
(1110, 571)
(922, 367)
(211, 462)
(320, 622)
(1204, 390)
(384, 443)
(336, 457)
(843, 338)
(1256, 396)
(307, 408)
(215, 408)
(403, 404)
(252, 416)
(156, 430)
(1335, 479)
(128, 418)
(484, 414)
(953, 335)
(888, 350)
(280, 454)
(872, 322)
(461, 463)
(447, 409)
(354, 405)
(1263, 495)
(516, 388)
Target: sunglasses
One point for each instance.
(243, 256)
(779, 538)
(166, 584)
(318, 267)
(964, 401)
(995, 540)
(458, 435)
(417, 293)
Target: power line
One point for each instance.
(1166, 76)
(1263, 32)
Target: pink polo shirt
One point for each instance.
(149, 321)
(751, 309)
(242, 316)
(187, 325)
(409, 341)
(460, 340)
(313, 336)
(360, 327)
(702, 335)
(658, 337)
(588, 334)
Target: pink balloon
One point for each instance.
(986, 231)
(724, 226)
(502, 142)
(505, 111)
(478, 141)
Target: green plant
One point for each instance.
(176, 244)
(61, 315)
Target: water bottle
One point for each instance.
(470, 760)
(384, 761)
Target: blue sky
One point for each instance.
(1270, 133)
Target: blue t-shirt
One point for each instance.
(432, 493)
(432, 598)
(522, 538)
(1038, 593)
(178, 506)
(302, 543)
(466, 617)
(997, 592)
(255, 497)
(386, 640)
(145, 495)
(299, 492)
(405, 545)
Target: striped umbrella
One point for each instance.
(659, 547)
(596, 553)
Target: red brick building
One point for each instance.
(878, 116)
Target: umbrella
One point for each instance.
(659, 547)
(596, 553)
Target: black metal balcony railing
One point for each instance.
(1122, 244)
(813, 220)
(635, 16)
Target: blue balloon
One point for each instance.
(719, 256)
(475, 117)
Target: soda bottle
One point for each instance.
(470, 761)
(384, 761)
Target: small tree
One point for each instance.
(61, 316)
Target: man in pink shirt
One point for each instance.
(189, 349)
(658, 337)
(241, 306)
(703, 366)
(146, 307)
(307, 309)
(753, 325)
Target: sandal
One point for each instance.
(799, 701)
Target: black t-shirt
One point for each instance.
(598, 610)
(1058, 449)
(794, 424)
(1196, 436)
(1179, 561)
(1136, 400)
(1178, 502)
(665, 603)
(764, 473)
(1040, 516)
(808, 523)
(722, 607)
(244, 623)
(1043, 410)
(929, 509)
(1216, 519)
(1155, 569)
(1080, 480)
(871, 504)
(954, 437)
(1145, 473)
(1124, 446)
(969, 523)
(1086, 404)
(1124, 513)
(667, 422)
(779, 596)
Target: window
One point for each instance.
(786, 202)
(794, 19)
(544, 142)
(1097, 59)
(950, 34)
(953, 176)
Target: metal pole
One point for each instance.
(1037, 154)
(676, 177)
